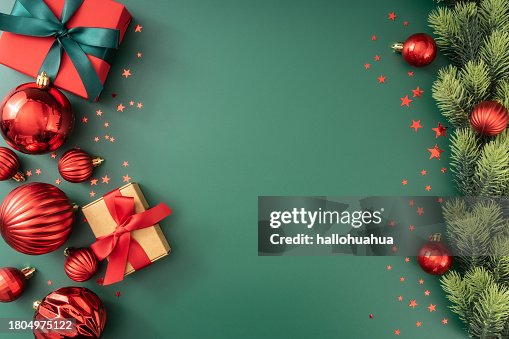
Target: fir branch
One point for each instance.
(495, 54)
(491, 312)
(492, 172)
(502, 93)
(451, 97)
(464, 155)
(494, 15)
(475, 77)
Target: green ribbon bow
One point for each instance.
(34, 18)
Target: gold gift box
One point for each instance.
(151, 239)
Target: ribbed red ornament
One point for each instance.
(80, 264)
(77, 165)
(418, 50)
(13, 282)
(489, 118)
(77, 303)
(9, 165)
(36, 218)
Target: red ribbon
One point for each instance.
(120, 246)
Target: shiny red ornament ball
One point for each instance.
(36, 218)
(77, 303)
(80, 264)
(35, 120)
(13, 282)
(9, 165)
(435, 258)
(489, 118)
(418, 50)
(77, 165)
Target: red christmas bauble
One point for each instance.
(418, 50)
(13, 282)
(35, 120)
(77, 303)
(80, 264)
(36, 218)
(77, 165)
(489, 118)
(435, 258)
(9, 165)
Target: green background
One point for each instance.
(248, 98)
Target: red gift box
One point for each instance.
(26, 54)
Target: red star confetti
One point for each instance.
(377, 57)
(405, 23)
(99, 112)
(92, 194)
(96, 139)
(392, 16)
(407, 259)
(427, 188)
(38, 171)
(416, 125)
(410, 73)
(427, 293)
(373, 38)
(125, 164)
(400, 298)
(444, 321)
(418, 324)
(389, 267)
(107, 137)
(413, 303)
(49, 283)
(106, 124)
(58, 181)
(138, 28)
(435, 152)
(371, 316)
(105, 179)
(131, 103)
(117, 294)
(440, 200)
(421, 282)
(443, 170)
(405, 101)
(120, 108)
(112, 139)
(402, 279)
(404, 182)
(417, 92)
(411, 227)
(93, 182)
(126, 73)
(139, 105)
(432, 308)
(397, 332)
(439, 130)
(113, 95)
(381, 79)
(53, 155)
(126, 178)
(420, 210)
(139, 55)
(423, 172)
(411, 203)
(367, 66)
(29, 173)
(100, 281)
(392, 223)
(84, 120)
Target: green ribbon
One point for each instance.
(34, 18)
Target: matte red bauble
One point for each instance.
(13, 282)
(418, 50)
(435, 258)
(489, 118)
(9, 165)
(77, 165)
(36, 218)
(77, 303)
(80, 264)
(34, 120)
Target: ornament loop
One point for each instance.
(28, 272)
(397, 47)
(43, 81)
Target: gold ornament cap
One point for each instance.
(43, 81)
(97, 161)
(28, 272)
(75, 208)
(36, 305)
(19, 176)
(397, 47)
(437, 237)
